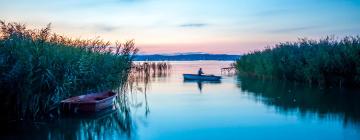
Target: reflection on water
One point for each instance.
(140, 77)
(111, 124)
(342, 104)
(107, 124)
(200, 83)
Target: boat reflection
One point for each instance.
(200, 83)
(105, 126)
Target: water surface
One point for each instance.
(240, 107)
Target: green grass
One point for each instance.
(38, 69)
(325, 62)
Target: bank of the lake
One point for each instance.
(38, 69)
(326, 62)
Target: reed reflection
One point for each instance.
(140, 78)
(113, 123)
(288, 97)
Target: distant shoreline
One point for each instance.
(180, 60)
(186, 57)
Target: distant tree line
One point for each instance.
(186, 57)
(326, 62)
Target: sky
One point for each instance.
(173, 26)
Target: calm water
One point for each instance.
(235, 108)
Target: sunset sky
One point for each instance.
(169, 26)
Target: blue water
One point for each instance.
(235, 108)
(179, 110)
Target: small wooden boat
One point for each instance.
(88, 103)
(201, 77)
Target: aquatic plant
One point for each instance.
(155, 69)
(39, 69)
(326, 62)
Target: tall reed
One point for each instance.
(326, 62)
(155, 69)
(39, 69)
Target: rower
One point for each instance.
(200, 72)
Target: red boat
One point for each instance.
(88, 103)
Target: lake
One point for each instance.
(167, 107)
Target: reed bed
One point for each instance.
(39, 69)
(326, 62)
(154, 69)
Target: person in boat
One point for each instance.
(200, 72)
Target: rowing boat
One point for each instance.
(88, 103)
(201, 77)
